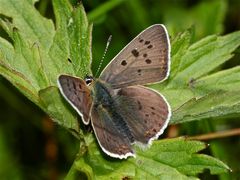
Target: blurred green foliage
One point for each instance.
(27, 136)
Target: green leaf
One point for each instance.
(216, 104)
(179, 46)
(204, 56)
(227, 80)
(80, 34)
(38, 53)
(30, 23)
(166, 159)
(59, 111)
(19, 80)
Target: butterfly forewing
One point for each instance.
(146, 112)
(77, 94)
(146, 59)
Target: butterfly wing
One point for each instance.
(146, 59)
(112, 142)
(76, 92)
(146, 112)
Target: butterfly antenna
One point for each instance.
(105, 51)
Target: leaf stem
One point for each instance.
(216, 135)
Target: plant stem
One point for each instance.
(216, 135)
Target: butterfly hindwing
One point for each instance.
(146, 59)
(146, 112)
(76, 92)
(111, 140)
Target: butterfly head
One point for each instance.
(88, 80)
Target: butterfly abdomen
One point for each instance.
(105, 104)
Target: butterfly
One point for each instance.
(121, 110)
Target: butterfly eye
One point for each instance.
(88, 80)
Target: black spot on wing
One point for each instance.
(74, 86)
(139, 105)
(124, 63)
(139, 72)
(147, 42)
(135, 52)
(148, 61)
(150, 46)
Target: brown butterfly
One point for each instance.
(123, 112)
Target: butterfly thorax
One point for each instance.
(102, 94)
